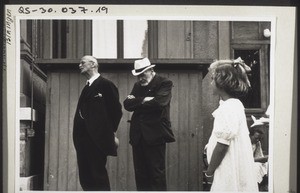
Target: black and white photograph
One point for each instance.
(154, 99)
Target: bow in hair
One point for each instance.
(241, 62)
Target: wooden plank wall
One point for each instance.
(184, 157)
(175, 39)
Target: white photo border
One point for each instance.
(282, 64)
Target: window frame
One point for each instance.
(263, 48)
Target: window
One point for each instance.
(104, 38)
(251, 58)
(135, 39)
(59, 48)
(257, 57)
(120, 39)
(156, 39)
(254, 48)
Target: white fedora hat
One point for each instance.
(141, 66)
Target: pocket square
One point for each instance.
(98, 95)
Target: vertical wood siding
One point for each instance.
(175, 39)
(184, 157)
(79, 38)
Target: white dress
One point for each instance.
(236, 171)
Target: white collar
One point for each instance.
(93, 78)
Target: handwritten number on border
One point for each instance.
(72, 10)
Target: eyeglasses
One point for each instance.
(83, 62)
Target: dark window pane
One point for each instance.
(59, 38)
(251, 58)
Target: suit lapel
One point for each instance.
(83, 93)
(153, 83)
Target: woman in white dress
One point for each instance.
(229, 150)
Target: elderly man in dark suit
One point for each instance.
(150, 127)
(96, 120)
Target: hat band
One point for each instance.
(141, 69)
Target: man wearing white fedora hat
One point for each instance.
(150, 126)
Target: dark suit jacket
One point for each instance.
(102, 112)
(151, 120)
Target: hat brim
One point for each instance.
(256, 124)
(135, 73)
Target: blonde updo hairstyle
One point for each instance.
(231, 76)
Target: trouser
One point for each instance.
(149, 166)
(91, 164)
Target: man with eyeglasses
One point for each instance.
(96, 120)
